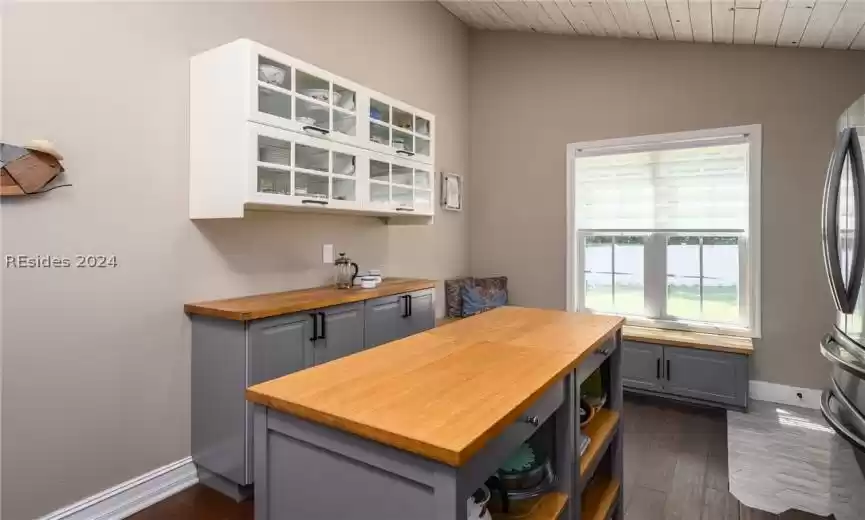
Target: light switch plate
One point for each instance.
(327, 253)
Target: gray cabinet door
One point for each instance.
(279, 346)
(706, 375)
(340, 332)
(641, 365)
(383, 317)
(421, 313)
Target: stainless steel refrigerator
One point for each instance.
(843, 403)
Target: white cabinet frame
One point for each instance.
(226, 120)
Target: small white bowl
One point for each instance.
(271, 74)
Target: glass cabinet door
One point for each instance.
(423, 188)
(399, 130)
(296, 99)
(400, 186)
(304, 170)
(275, 89)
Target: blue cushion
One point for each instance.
(479, 299)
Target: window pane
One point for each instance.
(683, 256)
(683, 277)
(628, 296)
(683, 297)
(614, 274)
(599, 273)
(721, 279)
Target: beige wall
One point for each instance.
(96, 362)
(531, 95)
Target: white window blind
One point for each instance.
(678, 187)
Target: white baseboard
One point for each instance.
(783, 394)
(132, 496)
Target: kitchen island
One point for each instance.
(411, 429)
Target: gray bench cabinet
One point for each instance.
(642, 365)
(229, 355)
(717, 377)
(690, 374)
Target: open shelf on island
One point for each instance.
(601, 430)
(545, 507)
(599, 499)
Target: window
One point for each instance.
(664, 230)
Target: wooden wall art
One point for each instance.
(28, 169)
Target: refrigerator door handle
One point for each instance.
(837, 353)
(835, 422)
(857, 167)
(845, 297)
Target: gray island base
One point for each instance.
(310, 470)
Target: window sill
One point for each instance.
(698, 340)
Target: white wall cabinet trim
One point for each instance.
(330, 129)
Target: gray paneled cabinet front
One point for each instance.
(421, 313)
(710, 376)
(228, 356)
(279, 346)
(382, 319)
(641, 366)
(393, 317)
(339, 332)
(687, 373)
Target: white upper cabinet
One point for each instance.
(268, 131)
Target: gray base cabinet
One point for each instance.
(228, 356)
(393, 317)
(340, 333)
(690, 374)
(641, 366)
(711, 376)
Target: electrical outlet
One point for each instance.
(327, 253)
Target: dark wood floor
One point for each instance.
(675, 469)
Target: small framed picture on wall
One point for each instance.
(452, 191)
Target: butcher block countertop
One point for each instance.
(275, 304)
(698, 340)
(443, 393)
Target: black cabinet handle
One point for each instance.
(314, 327)
(404, 298)
(405, 152)
(668, 370)
(409, 304)
(658, 368)
(314, 201)
(323, 316)
(405, 209)
(317, 129)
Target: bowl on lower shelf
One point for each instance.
(587, 413)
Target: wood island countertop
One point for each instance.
(443, 393)
(275, 304)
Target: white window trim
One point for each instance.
(754, 136)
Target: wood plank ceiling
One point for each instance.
(830, 24)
